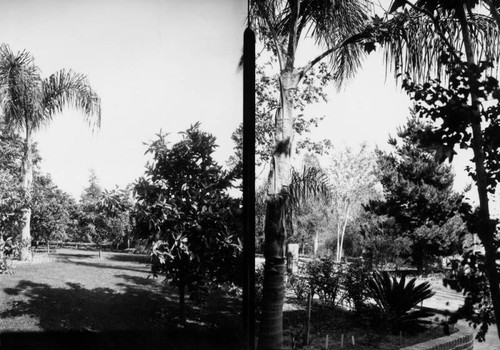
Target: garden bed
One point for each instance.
(340, 324)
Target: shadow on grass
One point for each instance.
(102, 318)
(101, 264)
(77, 308)
(138, 258)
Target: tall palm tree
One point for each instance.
(282, 25)
(415, 39)
(29, 102)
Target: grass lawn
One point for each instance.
(108, 301)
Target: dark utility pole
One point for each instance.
(249, 188)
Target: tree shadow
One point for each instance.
(77, 308)
(102, 318)
(137, 258)
(102, 265)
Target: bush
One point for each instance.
(325, 277)
(355, 283)
(397, 301)
(299, 283)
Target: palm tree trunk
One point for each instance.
(27, 180)
(273, 293)
(271, 325)
(486, 225)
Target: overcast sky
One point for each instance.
(161, 64)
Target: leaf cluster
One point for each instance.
(448, 107)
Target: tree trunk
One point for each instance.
(27, 180)
(273, 293)
(343, 233)
(271, 324)
(487, 227)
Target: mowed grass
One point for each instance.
(79, 292)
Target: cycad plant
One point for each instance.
(397, 300)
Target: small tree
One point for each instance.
(183, 199)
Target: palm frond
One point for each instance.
(330, 23)
(19, 88)
(70, 89)
(311, 182)
(413, 46)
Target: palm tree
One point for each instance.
(281, 25)
(415, 40)
(29, 102)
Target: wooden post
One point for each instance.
(326, 342)
(353, 342)
(342, 341)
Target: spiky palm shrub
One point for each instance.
(397, 300)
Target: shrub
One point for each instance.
(355, 283)
(299, 283)
(325, 277)
(397, 300)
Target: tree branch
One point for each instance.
(315, 61)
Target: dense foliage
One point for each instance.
(103, 216)
(52, 210)
(183, 200)
(418, 199)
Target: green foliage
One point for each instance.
(103, 216)
(12, 196)
(183, 201)
(325, 279)
(418, 197)
(397, 300)
(51, 210)
(11, 202)
(447, 105)
(381, 242)
(355, 284)
(471, 280)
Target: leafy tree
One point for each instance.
(418, 196)
(353, 176)
(103, 216)
(456, 40)
(51, 210)
(30, 102)
(381, 241)
(116, 205)
(93, 192)
(183, 200)
(281, 25)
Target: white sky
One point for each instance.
(164, 64)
